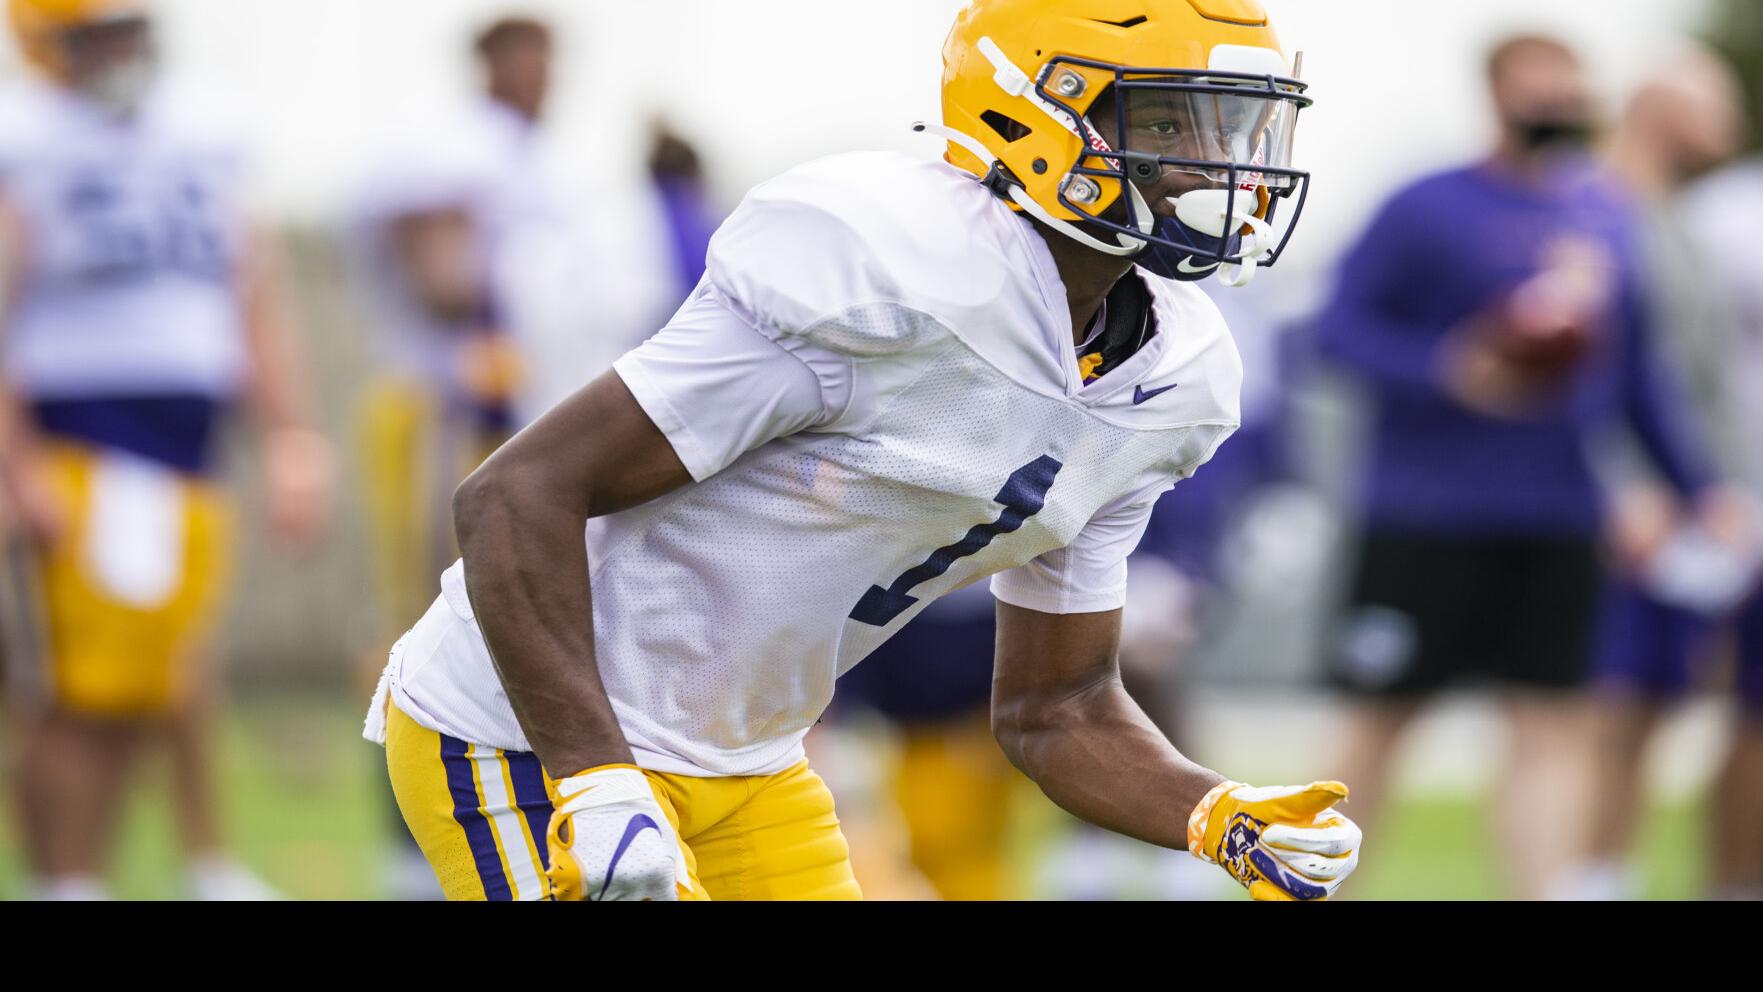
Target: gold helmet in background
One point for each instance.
(42, 26)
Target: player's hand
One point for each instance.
(1641, 520)
(1286, 844)
(29, 508)
(610, 841)
(1480, 376)
(1514, 357)
(1509, 362)
(1731, 516)
(299, 481)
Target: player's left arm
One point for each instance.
(298, 461)
(1062, 715)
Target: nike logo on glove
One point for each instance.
(1142, 397)
(637, 825)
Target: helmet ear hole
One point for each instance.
(1008, 128)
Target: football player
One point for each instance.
(898, 377)
(140, 305)
(930, 685)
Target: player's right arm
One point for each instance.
(519, 520)
(705, 390)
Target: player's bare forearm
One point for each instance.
(520, 521)
(299, 464)
(18, 439)
(281, 391)
(1062, 716)
(526, 570)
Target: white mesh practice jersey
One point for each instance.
(136, 233)
(877, 392)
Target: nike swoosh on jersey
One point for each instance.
(1140, 397)
(1193, 270)
(637, 825)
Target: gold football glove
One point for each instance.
(1285, 843)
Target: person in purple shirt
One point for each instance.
(691, 219)
(1496, 315)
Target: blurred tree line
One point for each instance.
(1735, 29)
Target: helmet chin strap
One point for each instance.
(1127, 246)
(1202, 210)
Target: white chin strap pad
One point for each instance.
(1208, 211)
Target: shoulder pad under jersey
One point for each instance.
(864, 232)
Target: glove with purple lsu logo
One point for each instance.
(1286, 844)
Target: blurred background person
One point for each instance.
(677, 173)
(1495, 315)
(430, 228)
(941, 772)
(1677, 602)
(439, 233)
(1722, 209)
(141, 307)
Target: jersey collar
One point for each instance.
(1060, 345)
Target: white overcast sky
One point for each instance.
(763, 84)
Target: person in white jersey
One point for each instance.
(140, 306)
(876, 396)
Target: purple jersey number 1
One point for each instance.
(1023, 496)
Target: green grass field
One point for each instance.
(306, 805)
